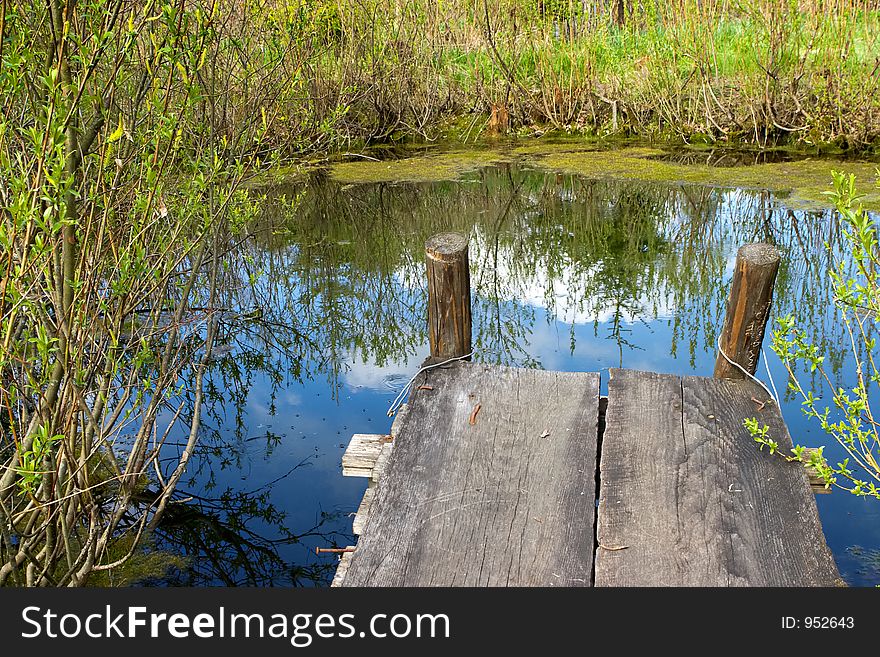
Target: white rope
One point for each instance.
(398, 401)
(770, 395)
(770, 376)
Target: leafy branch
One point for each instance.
(852, 424)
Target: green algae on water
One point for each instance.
(802, 180)
(429, 168)
(805, 180)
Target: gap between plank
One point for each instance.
(600, 433)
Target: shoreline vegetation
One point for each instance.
(128, 127)
(323, 75)
(327, 75)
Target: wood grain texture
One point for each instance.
(363, 510)
(686, 497)
(449, 295)
(748, 307)
(399, 417)
(492, 504)
(362, 453)
(342, 569)
(381, 462)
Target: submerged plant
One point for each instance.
(855, 278)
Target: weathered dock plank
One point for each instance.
(363, 511)
(381, 462)
(362, 454)
(341, 569)
(687, 499)
(491, 482)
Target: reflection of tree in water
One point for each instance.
(616, 252)
(588, 247)
(237, 536)
(599, 239)
(216, 542)
(338, 275)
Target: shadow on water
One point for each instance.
(324, 320)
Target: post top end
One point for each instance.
(759, 253)
(446, 244)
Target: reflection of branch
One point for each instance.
(505, 343)
(496, 230)
(284, 476)
(220, 546)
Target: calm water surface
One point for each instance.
(325, 321)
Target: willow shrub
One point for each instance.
(855, 278)
(114, 224)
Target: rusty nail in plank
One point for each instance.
(473, 419)
(320, 550)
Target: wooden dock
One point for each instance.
(507, 496)
(497, 476)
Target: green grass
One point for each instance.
(747, 78)
(761, 72)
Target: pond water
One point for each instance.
(326, 322)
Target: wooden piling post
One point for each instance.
(449, 296)
(748, 308)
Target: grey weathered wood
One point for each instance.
(449, 296)
(688, 499)
(361, 455)
(506, 501)
(363, 511)
(398, 419)
(748, 307)
(342, 569)
(381, 462)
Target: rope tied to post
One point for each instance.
(398, 401)
(773, 396)
(449, 304)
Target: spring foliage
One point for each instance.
(850, 420)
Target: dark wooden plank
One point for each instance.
(768, 510)
(506, 501)
(687, 499)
